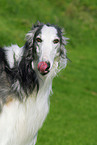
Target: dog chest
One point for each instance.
(19, 122)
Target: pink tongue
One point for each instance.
(42, 67)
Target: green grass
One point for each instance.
(73, 111)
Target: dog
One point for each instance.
(26, 75)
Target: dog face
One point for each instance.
(47, 42)
(47, 46)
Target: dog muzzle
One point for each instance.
(43, 67)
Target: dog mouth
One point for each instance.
(43, 67)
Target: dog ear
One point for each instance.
(30, 34)
(63, 56)
(63, 43)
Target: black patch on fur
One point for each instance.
(38, 31)
(25, 75)
(4, 84)
(3, 61)
(22, 72)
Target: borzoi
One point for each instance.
(26, 75)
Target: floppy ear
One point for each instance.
(30, 34)
(63, 57)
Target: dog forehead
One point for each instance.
(48, 32)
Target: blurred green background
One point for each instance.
(73, 111)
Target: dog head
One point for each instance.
(48, 46)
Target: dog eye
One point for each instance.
(56, 41)
(39, 40)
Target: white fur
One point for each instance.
(20, 122)
(13, 53)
